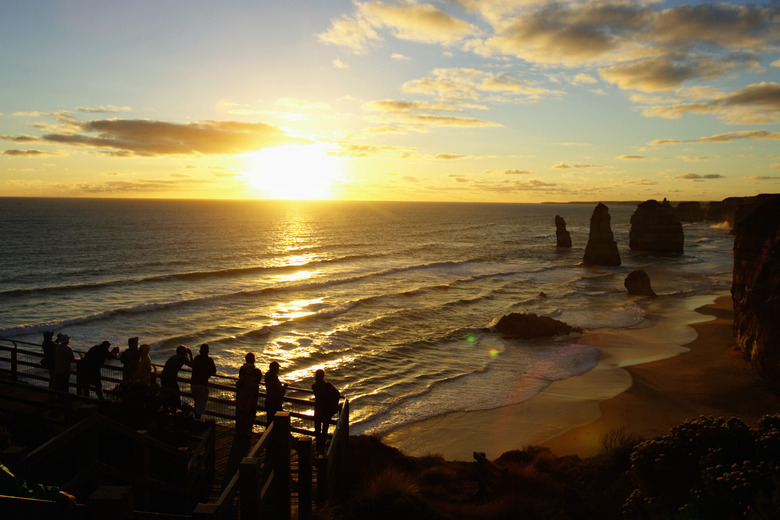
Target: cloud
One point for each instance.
(698, 177)
(691, 158)
(756, 103)
(472, 84)
(632, 157)
(399, 56)
(419, 115)
(449, 156)
(668, 72)
(337, 63)
(28, 153)
(138, 186)
(423, 23)
(135, 137)
(110, 109)
(564, 165)
(721, 138)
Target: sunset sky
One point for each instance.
(460, 100)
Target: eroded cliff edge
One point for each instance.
(755, 288)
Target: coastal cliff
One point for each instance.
(755, 288)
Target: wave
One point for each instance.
(187, 276)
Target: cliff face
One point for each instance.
(654, 227)
(755, 288)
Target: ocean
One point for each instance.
(390, 298)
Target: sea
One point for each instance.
(394, 300)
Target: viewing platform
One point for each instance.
(160, 465)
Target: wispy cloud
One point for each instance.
(721, 138)
(154, 138)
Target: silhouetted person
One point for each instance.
(143, 370)
(63, 358)
(203, 368)
(247, 391)
(326, 403)
(47, 361)
(88, 371)
(129, 359)
(170, 374)
(274, 391)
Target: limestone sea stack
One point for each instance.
(755, 288)
(563, 237)
(601, 248)
(655, 228)
(637, 283)
(689, 212)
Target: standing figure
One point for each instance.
(129, 359)
(247, 391)
(88, 371)
(274, 392)
(170, 374)
(326, 403)
(143, 370)
(203, 368)
(47, 361)
(63, 358)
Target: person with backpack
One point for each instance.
(326, 404)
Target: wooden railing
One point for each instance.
(262, 481)
(21, 360)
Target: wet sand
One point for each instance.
(680, 364)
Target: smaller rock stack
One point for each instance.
(563, 237)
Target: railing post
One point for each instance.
(249, 488)
(304, 478)
(280, 456)
(322, 478)
(15, 362)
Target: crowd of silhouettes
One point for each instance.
(58, 359)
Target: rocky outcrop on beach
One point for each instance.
(563, 237)
(637, 283)
(655, 228)
(755, 288)
(601, 248)
(689, 212)
(531, 326)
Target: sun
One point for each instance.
(293, 172)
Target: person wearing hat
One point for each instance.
(88, 371)
(63, 358)
(129, 359)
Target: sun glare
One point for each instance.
(295, 172)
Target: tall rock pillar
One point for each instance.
(601, 248)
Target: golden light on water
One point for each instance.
(294, 309)
(295, 172)
(294, 277)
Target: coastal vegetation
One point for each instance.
(706, 467)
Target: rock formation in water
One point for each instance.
(689, 212)
(531, 326)
(638, 284)
(655, 228)
(601, 248)
(563, 237)
(755, 288)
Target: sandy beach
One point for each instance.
(679, 364)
